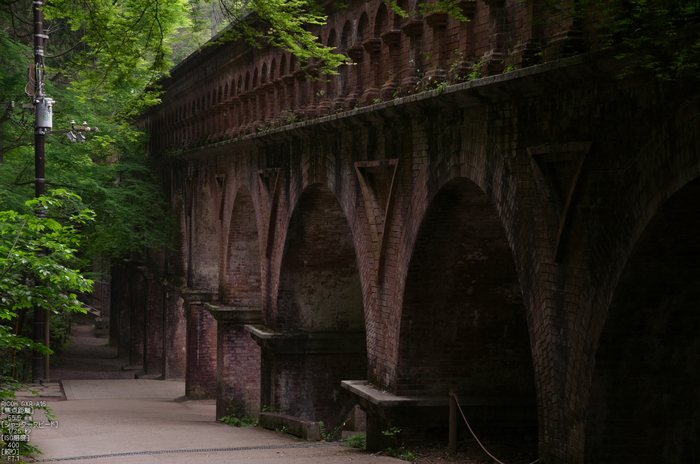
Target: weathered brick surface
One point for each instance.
(154, 326)
(238, 372)
(200, 375)
(486, 237)
(241, 276)
(308, 385)
(175, 335)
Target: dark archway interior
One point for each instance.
(319, 286)
(645, 396)
(464, 325)
(242, 274)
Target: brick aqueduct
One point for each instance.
(396, 231)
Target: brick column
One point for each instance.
(153, 324)
(136, 317)
(175, 340)
(200, 373)
(237, 361)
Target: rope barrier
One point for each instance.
(474, 435)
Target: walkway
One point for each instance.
(106, 419)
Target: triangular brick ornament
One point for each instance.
(221, 184)
(377, 182)
(558, 169)
(270, 182)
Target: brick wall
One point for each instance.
(241, 284)
(464, 325)
(200, 376)
(238, 372)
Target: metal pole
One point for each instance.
(43, 115)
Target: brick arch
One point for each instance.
(318, 240)
(644, 402)
(319, 308)
(381, 20)
(343, 72)
(263, 74)
(273, 70)
(238, 357)
(403, 4)
(463, 321)
(346, 36)
(466, 153)
(283, 65)
(241, 281)
(363, 29)
(664, 166)
(666, 169)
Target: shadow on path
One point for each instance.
(88, 357)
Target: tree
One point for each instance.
(38, 267)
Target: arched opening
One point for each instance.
(319, 287)
(464, 325)
(645, 395)
(343, 77)
(362, 29)
(381, 21)
(320, 311)
(283, 65)
(332, 42)
(241, 278)
(403, 5)
(238, 356)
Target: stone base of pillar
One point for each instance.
(427, 419)
(302, 371)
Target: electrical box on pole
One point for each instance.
(44, 114)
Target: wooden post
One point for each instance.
(452, 448)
